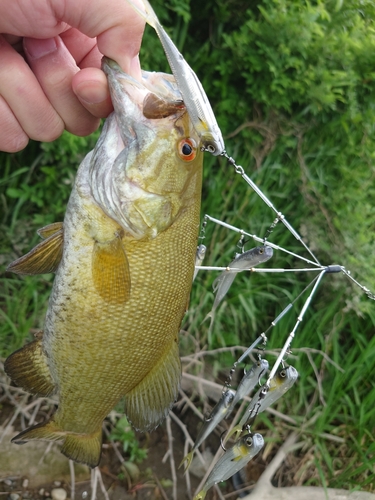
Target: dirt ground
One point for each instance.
(35, 470)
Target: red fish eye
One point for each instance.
(187, 149)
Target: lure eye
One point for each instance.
(187, 149)
(261, 251)
(249, 441)
(283, 373)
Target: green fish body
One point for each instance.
(124, 274)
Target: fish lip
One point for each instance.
(292, 372)
(268, 250)
(258, 440)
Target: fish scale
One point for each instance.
(123, 281)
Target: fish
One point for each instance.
(199, 257)
(266, 396)
(125, 272)
(232, 461)
(193, 94)
(211, 422)
(242, 262)
(248, 382)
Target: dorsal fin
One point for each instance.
(44, 258)
(156, 107)
(46, 231)
(149, 402)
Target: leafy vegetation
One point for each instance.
(292, 85)
(124, 433)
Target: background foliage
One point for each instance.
(292, 85)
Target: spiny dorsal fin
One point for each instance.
(110, 270)
(28, 368)
(150, 401)
(46, 231)
(44, 258)
(155, 107)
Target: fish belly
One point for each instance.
(100, 350)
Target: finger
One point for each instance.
(21, 91)
(12, 136)
(54, 71)
(91, 87)
(81, 47)
(119, 32)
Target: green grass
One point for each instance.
(340, 321)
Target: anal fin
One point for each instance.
(147, 404)
(83, 448)
(28, 368)
(44, 258)
(110, 270)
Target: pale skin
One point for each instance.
(50, 55)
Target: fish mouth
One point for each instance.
(292, 372)
(268, 250)
(258, 440)
(127, 93)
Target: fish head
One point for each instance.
(250, 444)
(268, 251)
(265, 252)
(228, 397)
(284, 379)
(148, 153)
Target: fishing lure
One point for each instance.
(212, 421)
(242, 262)
(232, 461)
(193, 94)
(266, 396)
(248, 382)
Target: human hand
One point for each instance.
(50, 56)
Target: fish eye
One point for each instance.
(187, 149)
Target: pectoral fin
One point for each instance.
(44, 258)
(110, 269)
(150, 401)
(28, 368)
(46, 231)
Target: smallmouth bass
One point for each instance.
(124, 261)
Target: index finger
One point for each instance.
(116, 25)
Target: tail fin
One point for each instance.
(237, 431)
(201, 495)
(210, 315)
(83, 448)
(187, 459)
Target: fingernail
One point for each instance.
(37, 48)
(91, 92)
